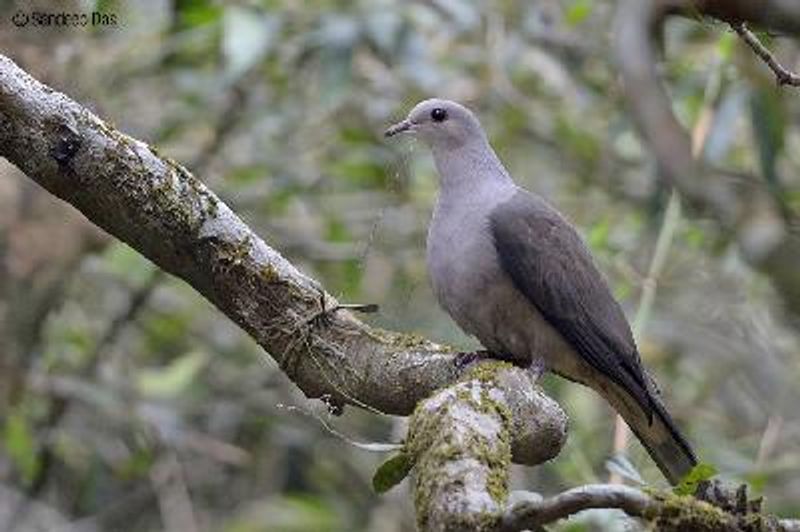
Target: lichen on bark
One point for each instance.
(460, 441)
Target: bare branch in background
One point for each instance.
(775, 15)
(782, 74)
(742, 206)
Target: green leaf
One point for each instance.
(173, 379)
(21, 445)
(598, 235)
(699, 473)
(578, 11)
(391, 472)
(769, 127)
(194, 13)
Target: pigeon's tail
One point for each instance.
(655, 429)
(667, 447)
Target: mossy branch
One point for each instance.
(168, 215)
(165, 213)
(460, 442)
(715, 508)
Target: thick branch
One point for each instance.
(459, 440)
(164, 212)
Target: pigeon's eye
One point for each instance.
(439, 115)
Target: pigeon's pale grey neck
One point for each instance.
(469, 165)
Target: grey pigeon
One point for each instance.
(514, 273)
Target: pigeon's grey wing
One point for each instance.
(549, 263)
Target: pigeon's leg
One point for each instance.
(537, 368)
(468, 358)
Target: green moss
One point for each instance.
(169, 196)
(234, 253)
(486, 371)
(678, 513)
(167, 199)
(684, 512)
(757, 522)
(402, 340)
(426, 484)
(499, 459)
(269, 273)
(208, 201)
(430, 443)
(423, 432)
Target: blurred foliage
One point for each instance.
(688, 485)
(142, 408)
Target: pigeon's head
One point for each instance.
(442, 124)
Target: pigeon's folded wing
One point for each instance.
(549, 263)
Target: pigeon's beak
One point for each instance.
(399, 127)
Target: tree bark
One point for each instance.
(765, 233)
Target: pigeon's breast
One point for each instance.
(471, 285)
(461, 262)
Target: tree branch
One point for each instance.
(667, 512)
(743, 206)
(775, 15)
(533, 514)
(459, 440)
(164, 212)
(783, 75)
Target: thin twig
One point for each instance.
(174, 501)
(782, 75)
(532, 514)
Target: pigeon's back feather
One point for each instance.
(548, 262)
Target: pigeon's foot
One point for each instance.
(462, 360)
(537, 368)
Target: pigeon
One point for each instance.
(514, 273)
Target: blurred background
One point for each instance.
(128, 403)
